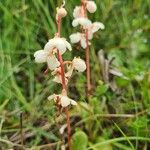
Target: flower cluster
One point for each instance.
(62, 100)
(48, 54)
(80, 18)
(53, 50)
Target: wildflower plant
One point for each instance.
(61, 70)
(87, 31)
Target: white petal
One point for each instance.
(57, 79)
(96, 26)
(75, 37)
(68, 45)
(60, 45)
(79, 64)
(91, 6)
(51, 97)
(49, 45)
(73, 102)
(90, 34)
(52, 62)
(40, 56)
(83, 42)
(65, 101)
(70, 71)
(78, 12)
(62, 129)
(75, 23)
(82, 21)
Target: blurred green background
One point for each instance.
(25, 26)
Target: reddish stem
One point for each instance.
(62, 71)
(88, 77)
(64, 86)
(68, 128)
(46, 71)
(88, 64)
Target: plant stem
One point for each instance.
(64, 86)
(88, 78)
(68, 128)
(21, 128)
(88, 65)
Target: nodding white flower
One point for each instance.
(48, 54)
(81, 21)
(78, 12)
(52, 62)
(94, 28)
(79, 64)
(64, 101)
(42, 56)
(91, 6)
(75, 37)
(61, 12)
(58, 43)
(78, 37)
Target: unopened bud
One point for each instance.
(61, 12)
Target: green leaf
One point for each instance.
(102, 89)
(80, 141)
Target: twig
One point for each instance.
(21, 128)
(48, 145)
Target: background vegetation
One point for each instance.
(25, 26)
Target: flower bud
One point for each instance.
(91, 6)
(79, 64)
(61, 12)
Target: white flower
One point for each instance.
(64, 101)
(94, 28)
(81, 21)
(52, 62)
(83, 41)
(60, 43)
(78, 37)
(78, 12)
(61, 12)
(48, 54)
(75, 38)
(42, 56)
(79, 64)
(91, 6)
